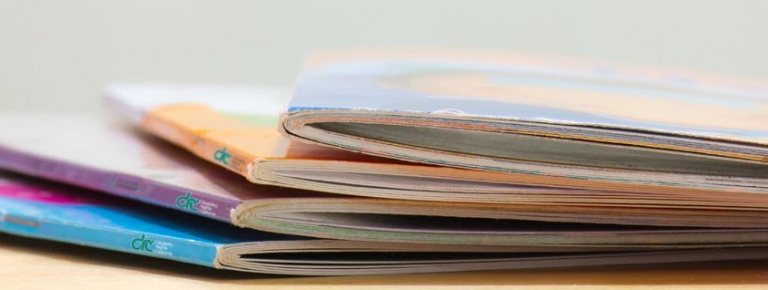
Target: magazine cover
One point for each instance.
(537, 116)
(537, 89)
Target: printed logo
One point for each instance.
(222, 156)
(142, 244)
(187, 202)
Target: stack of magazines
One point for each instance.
(385, 162)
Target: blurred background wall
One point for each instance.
(57, 55)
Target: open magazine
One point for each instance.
(98, 154)
(625, 128)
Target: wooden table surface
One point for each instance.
(34, 264)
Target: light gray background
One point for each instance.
(57, 55)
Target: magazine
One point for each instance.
(624, 127)
(44, 210)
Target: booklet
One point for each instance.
(38, 209)
(44, 210)
(629, 126)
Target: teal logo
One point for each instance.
(142, 244)
(187, 202)
(222, 156)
